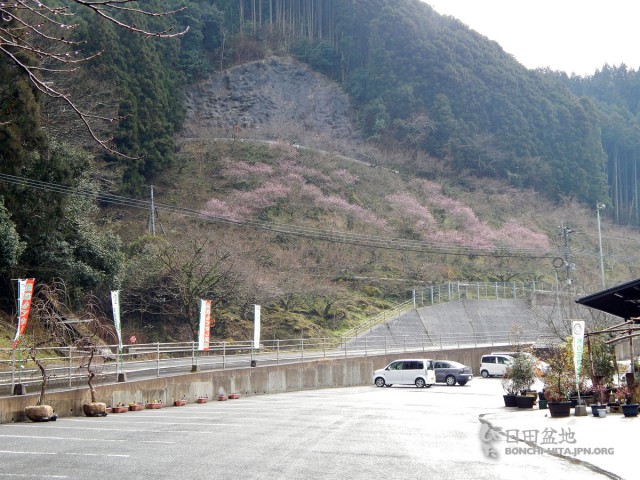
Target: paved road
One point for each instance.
(354, 433)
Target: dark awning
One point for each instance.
(622, 301)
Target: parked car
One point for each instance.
(451, 372)
(491, 365)
(410, 371)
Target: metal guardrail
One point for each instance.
(159, 359)
(451, 291)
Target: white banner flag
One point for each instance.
(577, 328)
(115, 303)
(256, 327)
(205, 325)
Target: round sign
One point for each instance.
(577, 328)
(132, 339)
(558, 262)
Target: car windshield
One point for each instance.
(456, 365)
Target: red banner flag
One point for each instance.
(25, 293)
(205, 325)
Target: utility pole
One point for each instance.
(566, 231)
(600, 206)
(151, 226)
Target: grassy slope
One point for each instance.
(297, 277)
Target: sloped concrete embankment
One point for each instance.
(465, 320)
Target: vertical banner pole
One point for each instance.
(13, 369)
(204, 331)
(25, 294)
(578, 346)
(115, 304)
(256, 327)
(256, 333)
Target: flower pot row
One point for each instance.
(628, 410)
(151, 405)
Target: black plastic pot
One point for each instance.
(525, 401)
(510, 401)
(595, 408)
(630, 409)
(559, 409)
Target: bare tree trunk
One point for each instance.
(91, 375)
(43, 372)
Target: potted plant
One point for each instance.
(630, 405)
(180, 402)
(89, 345)
(202, 399)
(511, 389)
(40, 412)
(601, 394)
(136, 406)
(522, 375)
(120, 408)
(154, 404)
(560, 379)
(93, 408)
(602, 360)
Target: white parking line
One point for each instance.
(137, 429)
(20, 452)
(82, 439)
(216, 424)
(26, 475)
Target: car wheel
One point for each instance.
(379, 382)
(420, 383)
(484, 374)
(462, 384)
(450, 380)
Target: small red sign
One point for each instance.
(133, 339)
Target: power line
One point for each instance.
(356, 239)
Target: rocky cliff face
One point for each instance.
(275, 96)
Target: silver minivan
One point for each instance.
(491, 365)
(409, 371)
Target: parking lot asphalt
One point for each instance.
(359, 433)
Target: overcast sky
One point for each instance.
(575, 36)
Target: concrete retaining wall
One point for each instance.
(326, 373)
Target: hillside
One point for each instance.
(322, 161)
(468, 228)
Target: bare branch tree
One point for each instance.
(34, 37)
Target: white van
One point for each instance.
(410, 371)
(491, 365)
